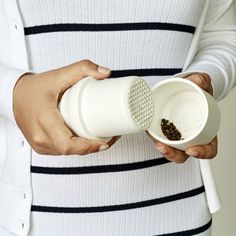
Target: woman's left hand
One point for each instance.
(208, 151)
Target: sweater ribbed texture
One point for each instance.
(129, 189)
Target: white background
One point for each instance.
(224, 166)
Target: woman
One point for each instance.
(47, 187)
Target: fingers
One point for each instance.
(71, 74)
(64, 141)
(82, 146)
(171, 154)
(202, 80)
(42, 124)
(208, 151)
(41, 143)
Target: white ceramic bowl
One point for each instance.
(193, 111)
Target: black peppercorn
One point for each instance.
(170, 131)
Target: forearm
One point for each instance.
(216, 54)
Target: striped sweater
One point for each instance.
(129, 189)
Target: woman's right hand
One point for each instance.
(35, 105)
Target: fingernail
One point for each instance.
(192, 153)
(162, 150)
(103, 70)
(103, 147)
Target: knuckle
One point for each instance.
(84, 149)
(38, 141)
(199, 79)
(170, 155)
(63, 148)
(206, 78)
(85, 64)
(196, 76)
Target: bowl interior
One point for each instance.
(181, 103)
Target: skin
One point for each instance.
(208, 151)
(35, 106)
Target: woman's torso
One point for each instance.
(129, 189)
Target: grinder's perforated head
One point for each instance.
(141, 103)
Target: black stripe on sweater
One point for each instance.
(145, 72)
(191, 231)
(147, 203)
(39, 29)
(98, 169)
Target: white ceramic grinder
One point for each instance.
(196, 115)
(101, 109)
(193, 111)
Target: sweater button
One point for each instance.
(22, 143)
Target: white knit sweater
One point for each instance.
(129, 189)
(150, 39)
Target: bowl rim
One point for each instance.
(206, 105)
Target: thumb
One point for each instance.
(71, 74)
